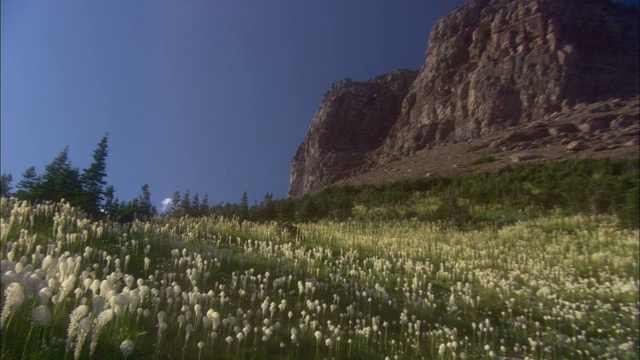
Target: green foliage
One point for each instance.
(586, 186)
(137, 209)
(27, 184)
(5, 185)
(60, 180)
(503, 196)
(484, 160)
(86, 190)
(93, 180)
(325, 289)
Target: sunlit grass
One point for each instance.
(552, 287)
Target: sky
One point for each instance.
(210, 96)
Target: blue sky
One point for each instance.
(211, 96)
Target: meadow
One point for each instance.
(553, 286)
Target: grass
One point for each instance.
(485, 159)
(454, 280)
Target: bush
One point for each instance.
(484, 160)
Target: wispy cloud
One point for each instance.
(166, 204)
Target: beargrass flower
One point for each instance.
(83, 331)
(74, 321)
(98, 324)
(126, 348)
(41, 316)
(14, 296)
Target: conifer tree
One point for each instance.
(243, 212)
(110, 203)
(204, 206)
(195, 205)
(93, 179)
(5, 184)
(146, 208)
(185, 203)
(28, 183)
(60, 180)
(175, 202)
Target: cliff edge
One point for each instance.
(491, 65)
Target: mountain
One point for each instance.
(511, 80)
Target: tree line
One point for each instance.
(590, 185)
(86, 189)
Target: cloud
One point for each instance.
(166, 204)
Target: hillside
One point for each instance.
(210, 287)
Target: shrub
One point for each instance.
(484, 160)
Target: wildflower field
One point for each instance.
(555, 286)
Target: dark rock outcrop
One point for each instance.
(354, 119)
(491, 65)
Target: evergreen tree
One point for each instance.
(28, 183)
(5, 184)
(110, 204)
(60, 181)
(92, 179)
(146, 208)
(195, 205)
(185, 203)
(175, 203)
(204, 206)
(145, 196)
(243, 211)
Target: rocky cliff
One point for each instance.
(491, 65)
(353, 120)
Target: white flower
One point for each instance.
(84, 327)
(41, 316)
(126, 348)
(14, 296)
(162, 326)
(328, 342)
(45, 294)
(103, 319)
(74, 320)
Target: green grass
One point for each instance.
(537, 254)
(364, 284)
(485, 159)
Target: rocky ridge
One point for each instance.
(501, 76)
(353, 120)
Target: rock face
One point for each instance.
(491, 64)
(353, 120)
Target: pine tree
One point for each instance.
(5, 184)
(185, 203)
(268, 209)
(204, 206)
(110, 204)
(195, 205)
(175, 203)
(243, 212)
(146, 208)
(28, 183)
(60, 181)
(92, 179)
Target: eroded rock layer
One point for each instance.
(491, 65)
(353, 120)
